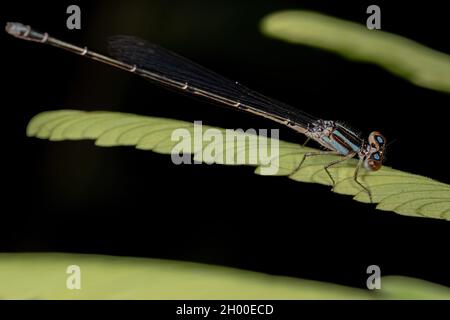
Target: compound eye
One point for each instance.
(372, 165)
(376, 156)
(377, 140)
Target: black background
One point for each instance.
(75, 197)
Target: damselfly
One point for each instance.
(171, 70)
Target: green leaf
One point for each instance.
(44, 276)
(408, 59)
(393, 190)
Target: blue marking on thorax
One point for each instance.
(376, 156)
(348, 143)
(334, 145)
(380, 140)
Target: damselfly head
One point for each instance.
(375, 151)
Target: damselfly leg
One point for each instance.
(312, 154)
(306, 141)
(333, 163)
(355, 178)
